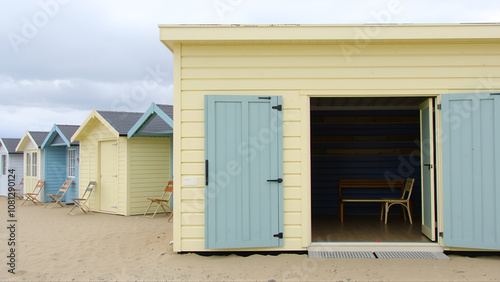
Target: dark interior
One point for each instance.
(363, 138)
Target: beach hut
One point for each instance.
(33, 156)
(127, 170)
(11, 164)
(271, 118)
(61, 161)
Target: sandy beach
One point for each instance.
(52, 245)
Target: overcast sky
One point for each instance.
(59, 59)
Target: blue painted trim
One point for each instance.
(146, 118)
(52, 134)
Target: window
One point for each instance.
(34, 163)
(28, 164)
(4, 164)
(71, 163)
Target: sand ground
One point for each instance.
(52, 245)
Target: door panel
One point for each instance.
(31, 172)
(109, 176)
(471, 170)
(243, 141)
(427, 169)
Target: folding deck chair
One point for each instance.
(32, 196)
(82, 202)
(56, 198)
(162, 202)
(18, 192)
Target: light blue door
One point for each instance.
(427, 169)
(471, 170)
(244, 171)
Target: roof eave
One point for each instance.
(22, 144)
(80, 133)
(170, 34)
(146, 118)
(52, 134)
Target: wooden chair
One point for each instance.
(32, 196)
(162, 201)
(404, 201)
(82, 202)
(18, 192)
(56, 198)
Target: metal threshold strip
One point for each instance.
(374, 251)
(375, 255)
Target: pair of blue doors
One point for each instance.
(244, 171)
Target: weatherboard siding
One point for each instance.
(149, 170)
(15, 162)
(291, 71)
(123, 181)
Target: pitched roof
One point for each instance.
(168, 109)
(120, 121)
(38, 136)
(68, 131)
(11, 144)
(156, 121)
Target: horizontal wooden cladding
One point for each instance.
(419, 82)
(338, 49)
(381, 152)
(342, 61)
(369, 120)
(384, 138)
(333, 72)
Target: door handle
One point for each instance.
(206, 172)
(279, 180)
(428, 165)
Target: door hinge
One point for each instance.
(441, 234)
(278, 107)
(279, 235)
(265, 98)
(439, 106)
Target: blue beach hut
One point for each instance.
(61, 160)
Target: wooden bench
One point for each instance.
(362, 184)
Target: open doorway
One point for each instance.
(369, 138)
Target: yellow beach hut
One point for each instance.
(127, 171)
(33, 156)
(270, 119)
